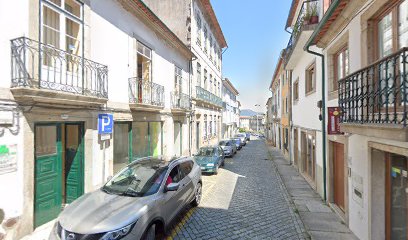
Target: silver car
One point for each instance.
(137, 203)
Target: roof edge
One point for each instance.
(207, 6)
(229, 84)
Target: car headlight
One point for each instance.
(118, 234)
(210, 164)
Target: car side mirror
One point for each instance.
(172, 187)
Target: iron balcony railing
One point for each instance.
(208, 97)
(306, 16)
(40, 66)
(180, 101)
(144, 91)
(376, 94)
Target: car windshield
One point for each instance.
(137, 180)
(237, 140)
(225, 143)
(206, 152)
(239, 135)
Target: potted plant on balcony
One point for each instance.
(313, 13)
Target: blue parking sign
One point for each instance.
(105, 123)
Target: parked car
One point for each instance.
(137, 203)
(210, 158)
(238, 143)
(248, 136)
(242, 136)
(229, 147)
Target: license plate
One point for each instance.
(202, 168)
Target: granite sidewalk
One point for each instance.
(320, 221)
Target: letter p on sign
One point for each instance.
(105, 123)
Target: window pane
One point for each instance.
(155, 138)
(340, 66)
(399, 198)
(385, 36)
(140, 140)
(51, 27)
(73, 7)
(45, 140)
(403, 25)
(73, 31)
(121, 146)
(177, 139)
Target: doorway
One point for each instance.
(178, 139)
(122, 147)
(59, 168)
(396, 184)
(338, 175)
(197, 136)
(295, 146)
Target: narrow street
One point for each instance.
(246, 200)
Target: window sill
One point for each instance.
(310, 92)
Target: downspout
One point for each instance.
(323, 119)
(324, 20)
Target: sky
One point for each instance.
(255, 35)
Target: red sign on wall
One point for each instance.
(333, 126)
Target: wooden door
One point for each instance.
(295, 146)
(338, 170)
(74, 162)
(48, 173)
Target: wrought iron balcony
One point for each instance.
(377, 94)
(307, 18)
(142, 91)
(208, 97)
(35, 65)
(180, 101)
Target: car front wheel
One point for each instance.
(197, 195)
(150, 233)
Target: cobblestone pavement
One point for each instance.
(246, 200)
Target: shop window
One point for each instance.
(121, 145)
(147, 139)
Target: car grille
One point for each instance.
(67, 235)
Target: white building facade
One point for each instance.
(230, 115)
(203, 35)
(71, 61)
(305, 77)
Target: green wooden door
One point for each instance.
(48, 173)
(73, 161)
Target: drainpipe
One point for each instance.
(323, 117)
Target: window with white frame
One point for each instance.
(205, 79)
(178, 86)
(211, 83)
(198, 22)
(205, 39)
(62, 28)
(198, 74)
(211, 49)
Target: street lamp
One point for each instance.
(257, 105)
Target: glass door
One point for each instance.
(122, 137)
